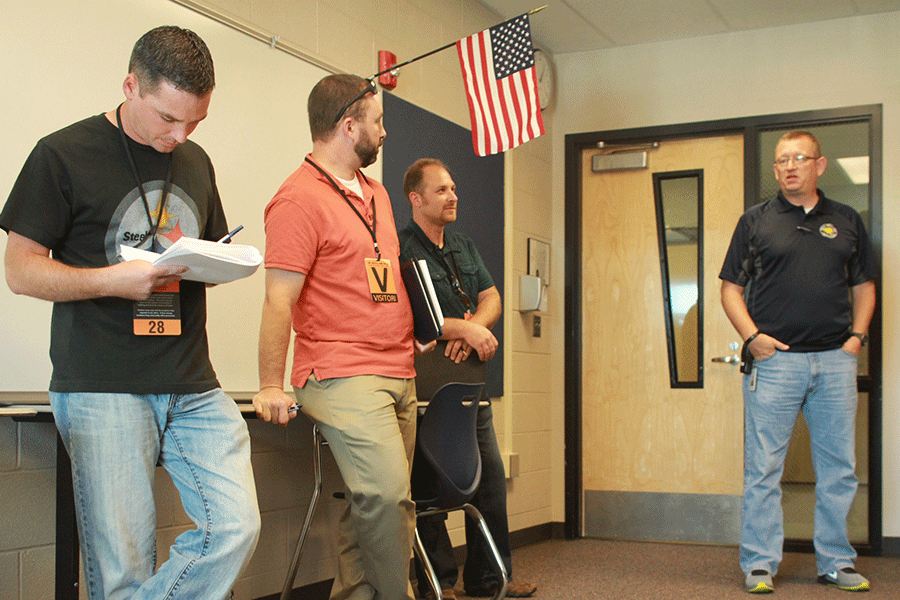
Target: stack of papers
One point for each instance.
(209, 262)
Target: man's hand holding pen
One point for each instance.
(273, 405)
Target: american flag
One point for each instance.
(501, 85)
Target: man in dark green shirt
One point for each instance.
(471, 306)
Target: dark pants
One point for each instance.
(490, 500)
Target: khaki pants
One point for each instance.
(370, 424)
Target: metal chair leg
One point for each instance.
(426, 566)
(313, 501)
(502, 575)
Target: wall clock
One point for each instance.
(544, 71)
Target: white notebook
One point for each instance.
(209, 262)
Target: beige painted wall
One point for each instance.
(346, 34)
(823, 65)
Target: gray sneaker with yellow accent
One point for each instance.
(846, 579)
(759, 581)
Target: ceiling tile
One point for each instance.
(740, 14)
(640, 21)
(582, 25)
(557, 28)
(870, 7)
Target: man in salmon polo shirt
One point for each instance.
(333, 273)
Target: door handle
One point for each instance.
(734, 359)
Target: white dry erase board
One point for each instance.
(62, 61)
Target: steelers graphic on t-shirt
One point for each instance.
(131, 227)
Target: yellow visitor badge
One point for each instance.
(381, 280)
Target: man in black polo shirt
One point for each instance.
(793, 264)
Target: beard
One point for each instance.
(367, 151)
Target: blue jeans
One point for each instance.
(490, 500)
(823, 386)
(115, 442)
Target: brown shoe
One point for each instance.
(446, 594)
(520, 589)
(515, 589)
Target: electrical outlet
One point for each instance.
(537, 325)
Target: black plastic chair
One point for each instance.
(452, 470)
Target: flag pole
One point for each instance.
(442, 48)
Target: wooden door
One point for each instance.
(649, 449)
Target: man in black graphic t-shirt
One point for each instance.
(130, 392)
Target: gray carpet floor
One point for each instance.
(613, 570)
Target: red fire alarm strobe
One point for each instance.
(386, 60)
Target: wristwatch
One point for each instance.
(864, 338)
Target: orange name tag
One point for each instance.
(157, 327)
(381, 280)
(160, 314)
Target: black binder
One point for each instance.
(427, 316)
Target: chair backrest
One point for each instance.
(434, 369)
(448, 442)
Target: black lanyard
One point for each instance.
(371, 229)
(140, 184)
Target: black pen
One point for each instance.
(227, 238)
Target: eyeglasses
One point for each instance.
(799, 160)
(370, 88)
(457, 289)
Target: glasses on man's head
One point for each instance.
(370, 88)
(799, 160)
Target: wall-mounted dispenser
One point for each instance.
(531, 294)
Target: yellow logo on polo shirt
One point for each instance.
(828, 230)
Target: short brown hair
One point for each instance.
(412, 179)
(175, 55)
(329, 96)
(796, 135)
